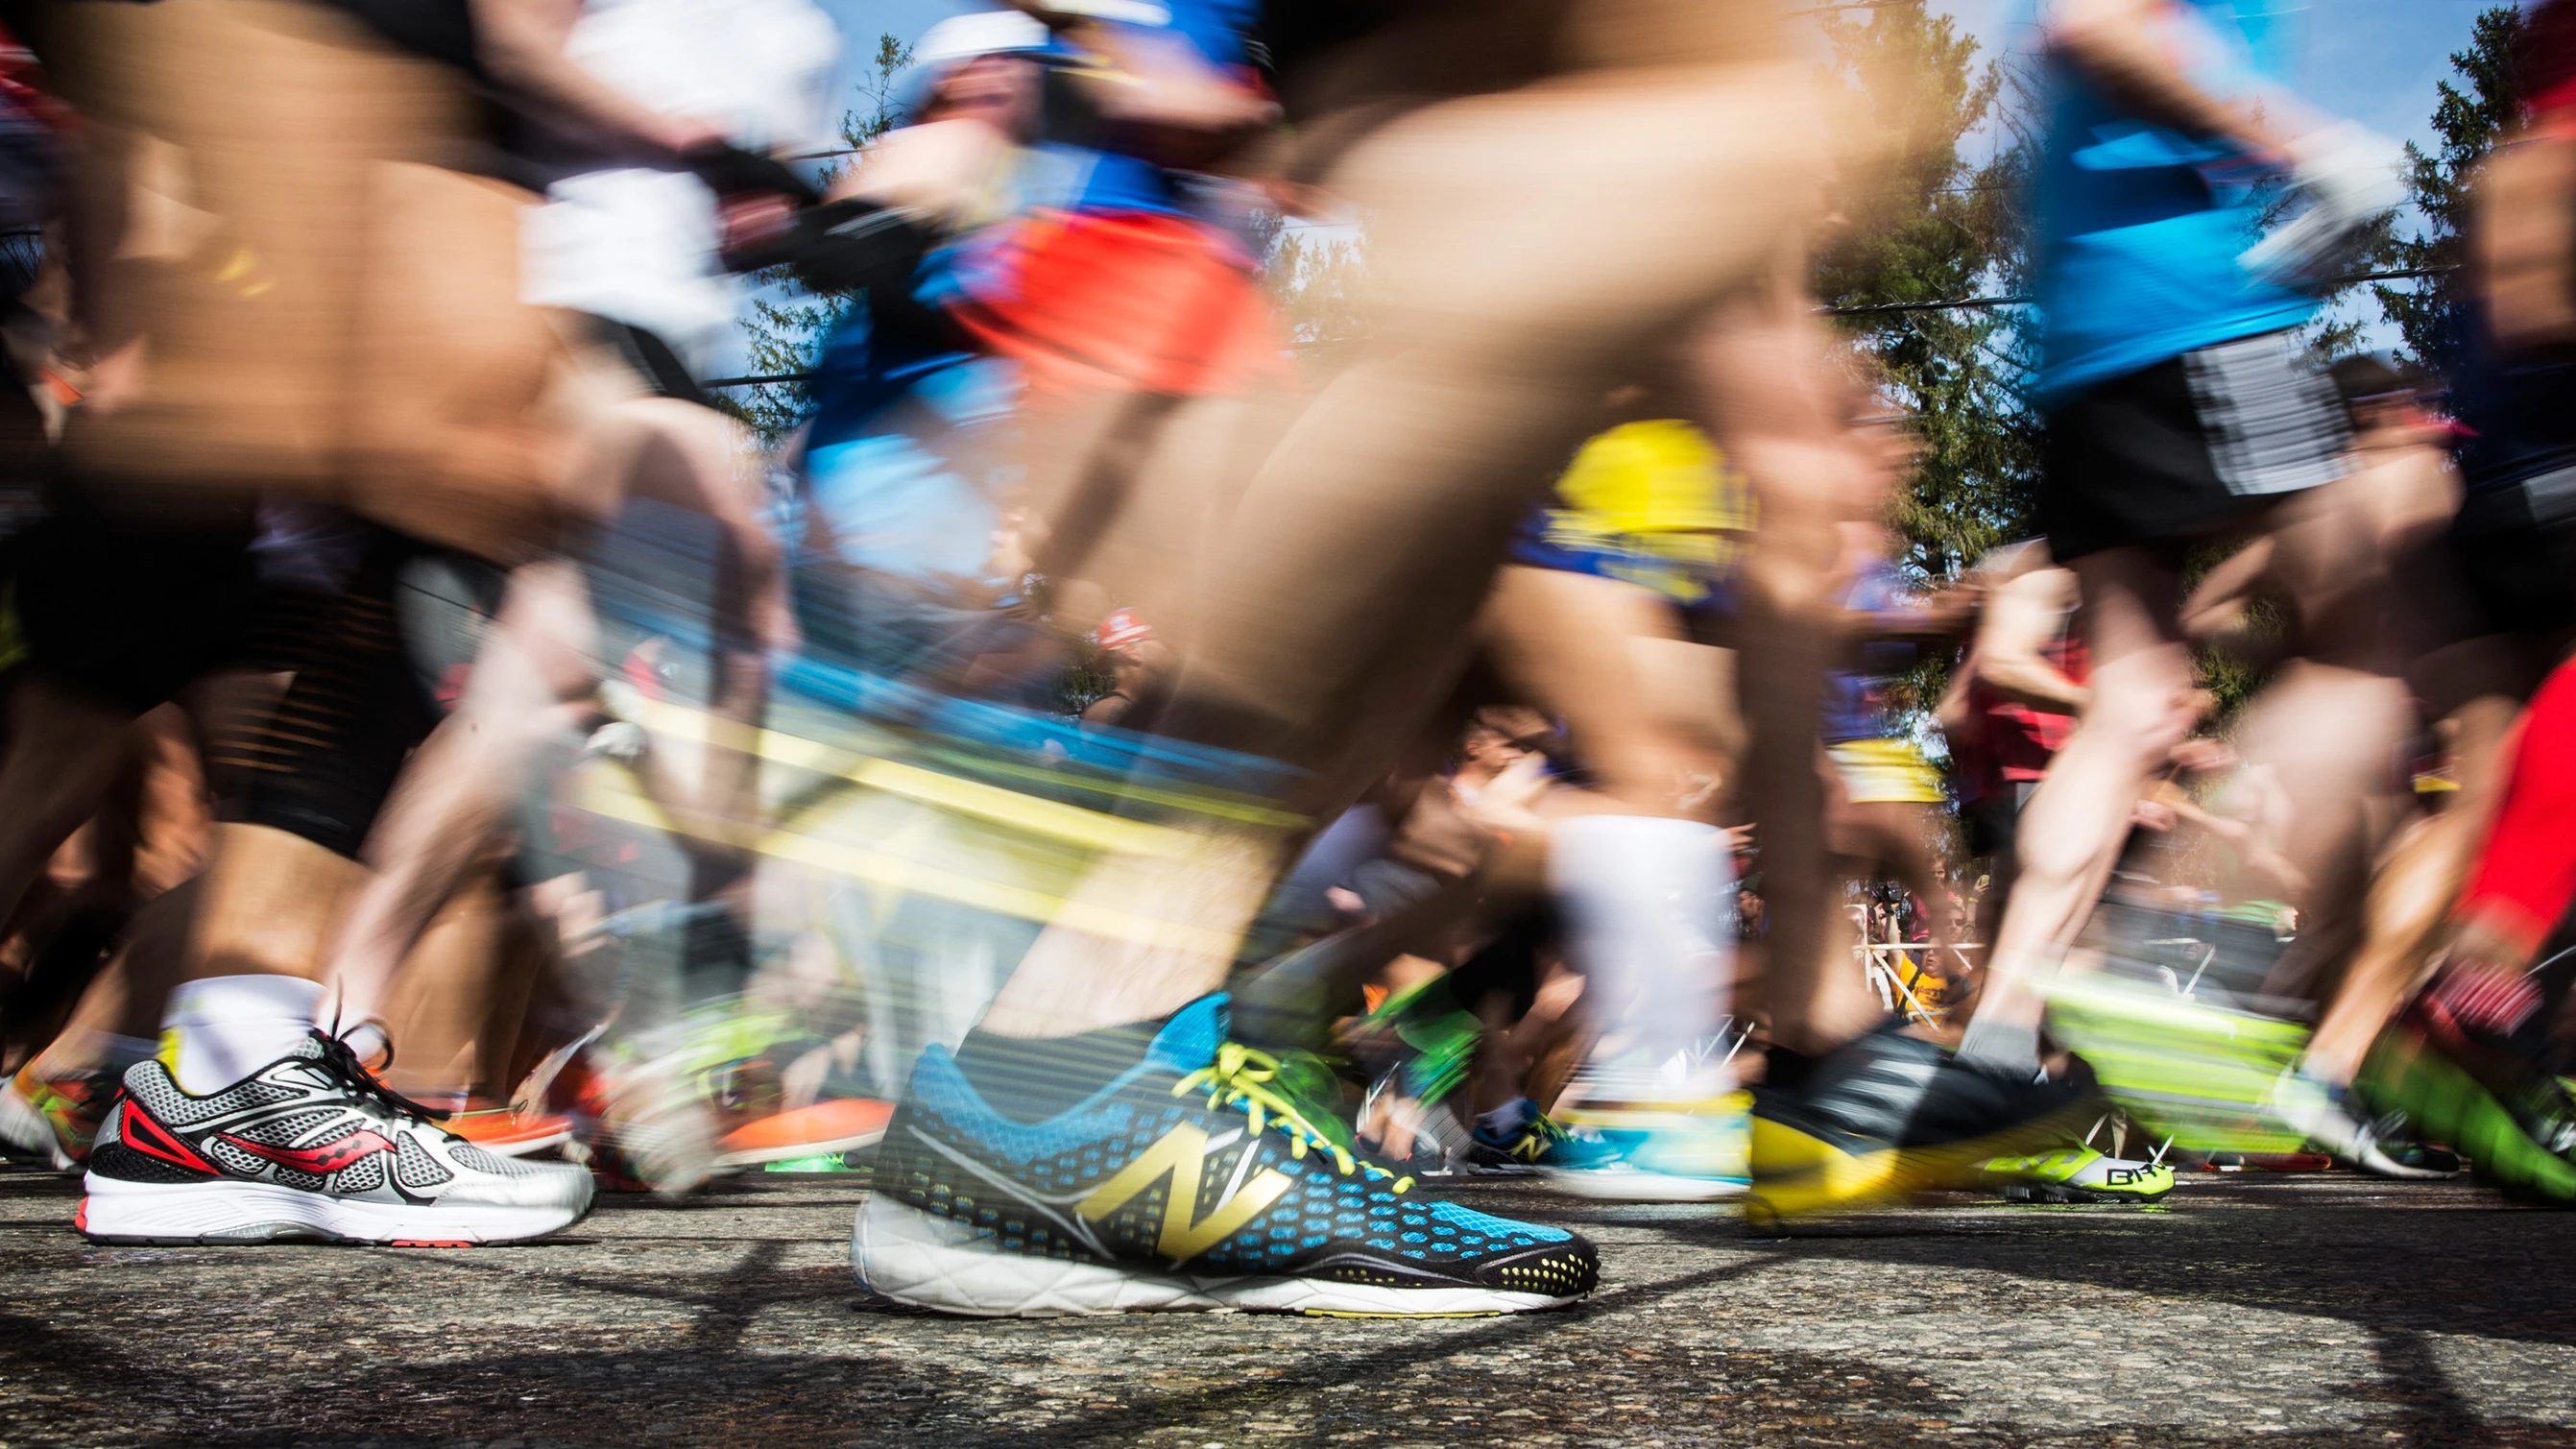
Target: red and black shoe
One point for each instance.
(310, 1146)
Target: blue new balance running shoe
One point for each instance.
(1188, 1182)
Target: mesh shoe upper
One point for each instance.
(313, 1120)
(1188, 1162)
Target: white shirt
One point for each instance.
(637, 244)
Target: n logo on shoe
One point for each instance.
(1180, 1153)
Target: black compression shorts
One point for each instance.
(2186, 448)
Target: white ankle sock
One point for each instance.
(1645, 903)
(224, 1028)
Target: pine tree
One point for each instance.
(1316, 277)
(1930, 227)
(2426, 311)
(786, 328)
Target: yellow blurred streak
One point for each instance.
(610, 795)
(1071, 823)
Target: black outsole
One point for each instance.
(2061, 1196)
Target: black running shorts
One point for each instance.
(2515, 537)
(129, 612)
(2190, 446)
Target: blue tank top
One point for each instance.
(2139, 227)
(1103, 178)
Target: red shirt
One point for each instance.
(2015, 742)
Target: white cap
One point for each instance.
(981, 32)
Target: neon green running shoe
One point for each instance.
(2521, 1141)
(2077, 1174)
(2198, 1073)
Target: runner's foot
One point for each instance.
(2077, 1174)
(56, 1114)
(1886, 1115)
(1186, 1182)
(310, 1146)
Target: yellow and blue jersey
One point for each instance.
(1651, 503)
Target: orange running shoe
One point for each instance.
(507, 1131)
(57, 1115)
(843, 1125)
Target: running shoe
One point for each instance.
(752, 1107)
(1185, 1183)
(821, 1130)
(1530, 1141)
(2203, 1075)
(310, 1146)
(2076, 1174)
(1886, 1115)
(647, 1128)
(2514, 1123)
(57, 1116)
(2337, 1126)
(509, 1131)
(1662, 1152)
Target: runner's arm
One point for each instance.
(2524, 237)
(2010, 657)
(2126, 47)
(521, 45)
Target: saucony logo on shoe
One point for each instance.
(327, 1157)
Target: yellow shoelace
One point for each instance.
(1240, 1076)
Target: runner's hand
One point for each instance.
(2346, 175)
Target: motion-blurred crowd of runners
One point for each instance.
(1168, 799)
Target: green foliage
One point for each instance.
(1317, 279)
(2236, 669)
(787, 325)
(1929, 227)
(2426, 311)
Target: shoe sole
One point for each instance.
(1796, 1174)
(240, 1213)
(2062, 1194)
(755, 1156)
(2390, 1170)
(915, 1258)
(2450, 1106)
(1642, 1185)
(22, 1126)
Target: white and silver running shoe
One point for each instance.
(2327, 1115)
(309, 1147)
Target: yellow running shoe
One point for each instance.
(1887, 1115)
(2077, 1174)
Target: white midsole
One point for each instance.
(928, 1261)
(257, 1211)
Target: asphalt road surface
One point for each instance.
(2315, 1310)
